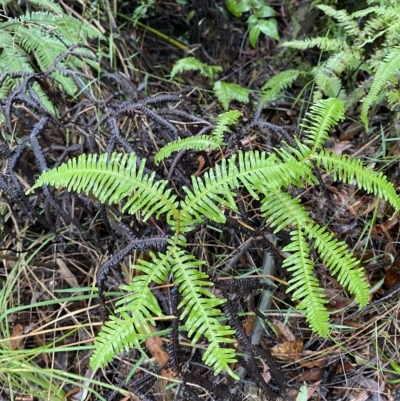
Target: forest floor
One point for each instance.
(50, 257)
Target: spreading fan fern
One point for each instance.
(115, 178)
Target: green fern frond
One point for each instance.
(201, 309)
(255, 171)
(201, 201)
(343, 60)
(347, 170)
(204, 142)
(368, 10)
(46, 50)
(327, 84)
(112, 181)
(71, 29)
(226, 92)
(393, 97)
(336, 257)
(117, 334)
(281, 211)
(154, 271)
(260, 171)
(283, 80)
(325, 44)
(32, 39)
(304, 285)
(385, 22)
(345, 20)
(387, 69)
(13, 56)
(222, 123)
(294, 153)
(319, 121)
(45, 35)
(136, 309)
(327, 74)
(192, 64)
(44, 4)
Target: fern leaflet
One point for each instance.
(272, 88)
(223, 122)
(345, 20)
(347, 170)
(202, 142)
(226, 92)
(111, 181)
(342, 264)
(192, 64)
(325, 44)
(387, 69)
(201, 310)
(304, 285)
(323, 116)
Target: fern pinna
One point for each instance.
(266, 177)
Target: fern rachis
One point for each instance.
(265, 177)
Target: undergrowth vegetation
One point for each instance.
(155, 175)
(112, 178)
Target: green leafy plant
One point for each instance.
(203, 142)
(272, 89)
(266, 177)
(226, 91)
(141, 11)
(192, 64)
(36, 39)
(349, 50)
(260, 19)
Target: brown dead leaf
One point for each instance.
(66, 274)
(371, 386)
(202, 162)
(370, 206)
(342, 199)
(265, 374)
(394, 150)
(283, 331)
(314, 364)
(248, 324)
(345, 367)
(352, 130)
(18, 330)
(155, 346)
(363, 396)
(336, 298)
(289, 350)
(392, 276)
(311, 390)
(340, 147)
(312, 375)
